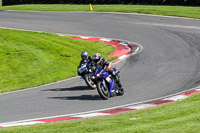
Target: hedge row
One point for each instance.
(151, 2)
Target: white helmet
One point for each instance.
(96, 57)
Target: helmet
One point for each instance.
(96, 57)
(84, 55)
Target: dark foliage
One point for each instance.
(149, 2)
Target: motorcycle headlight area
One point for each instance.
(81, 70)
(98, 74)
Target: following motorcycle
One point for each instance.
(84, 70)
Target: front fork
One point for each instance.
(111, 85)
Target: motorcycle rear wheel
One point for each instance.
(103, 91)
(120, 92)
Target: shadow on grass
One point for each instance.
(82, 97)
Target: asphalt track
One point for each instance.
(168, 64)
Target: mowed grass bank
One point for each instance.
(180, 117)
(30, 59)
(183, 11)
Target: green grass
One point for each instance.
(30, 59)
(180, 117)
(184, 11)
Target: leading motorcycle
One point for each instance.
(106, 84)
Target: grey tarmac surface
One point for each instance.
(168, 64)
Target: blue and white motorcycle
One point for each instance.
(106, 85)
(84, 70)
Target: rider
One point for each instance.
(106, 66)
(85, 58)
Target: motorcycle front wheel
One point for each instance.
(103, 91)
(89, 82)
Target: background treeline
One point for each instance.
(146, 2)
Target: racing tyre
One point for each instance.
(89, 82)
(120, 90)
(103, 91)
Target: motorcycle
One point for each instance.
(106, 84)
(84, 70)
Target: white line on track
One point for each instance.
(91, 115)
(169, 25)
(176, 98)
(20, 123)
(141, 106)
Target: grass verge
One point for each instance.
(179, 117)
(183, 11)
(30, 59)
